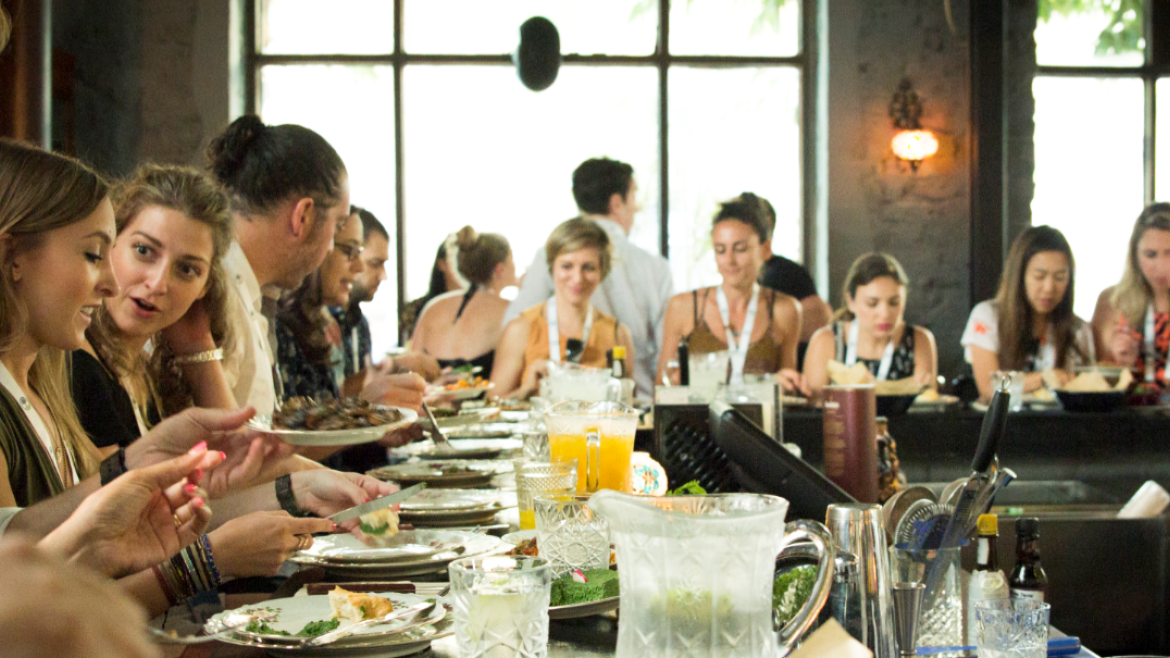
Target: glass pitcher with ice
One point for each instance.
(600, 436)
(571, 381)
(696, 573)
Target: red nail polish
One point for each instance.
(199, 447)
(222, 455)
(196, 476)
(197, 501)
(189, 488)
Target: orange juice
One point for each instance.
(612, 465)
(614, 471)
(528, 519)
(570, 446)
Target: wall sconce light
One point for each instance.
(912, 143)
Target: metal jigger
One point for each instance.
(907, 604)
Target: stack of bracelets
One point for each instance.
(190, 572)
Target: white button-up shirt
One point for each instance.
(249, 367)
(636, 292)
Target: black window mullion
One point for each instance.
(399, 175)
(662, 53)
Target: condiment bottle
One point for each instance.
(1028, 580)
(987, 581)
(618, 355)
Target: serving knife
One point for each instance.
(376, 504)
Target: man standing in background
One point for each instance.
(639, 283)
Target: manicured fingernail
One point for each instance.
(199, 447)
(189, 488)
(222, 455)
(197, 501)
(334, 525)
(196, 476)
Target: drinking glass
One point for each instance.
(940, 619)
(570, 535)
(1011, 628)
(710, 370)
(537, 477)
(500, 605)
(600, 436)
(570, 381)
(536, 445)
(1015, 387)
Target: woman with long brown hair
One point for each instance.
(871, 329)
(1030, 325)
(56, 228)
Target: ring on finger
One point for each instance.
(178, 522)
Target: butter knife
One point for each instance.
(377, 504)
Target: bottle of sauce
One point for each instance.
(987, 581)
(1028, 580)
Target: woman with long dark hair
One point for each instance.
(871, 330)
(1030, 325)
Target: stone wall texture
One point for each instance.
(876, 202)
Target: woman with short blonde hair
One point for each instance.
(566, 328)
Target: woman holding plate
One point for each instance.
(871, 330)
(566, 328)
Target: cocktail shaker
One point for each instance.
(857, 529)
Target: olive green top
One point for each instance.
(30, 469)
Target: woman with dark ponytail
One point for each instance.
(461, 328)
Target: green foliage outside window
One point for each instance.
(1122, 35)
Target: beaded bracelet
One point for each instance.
(199, 357)
(204, 547)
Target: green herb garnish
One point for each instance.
(692, 488)
(311, 629)
(371, 530)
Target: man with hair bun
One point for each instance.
(638, 286)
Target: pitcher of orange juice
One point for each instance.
(600, 436)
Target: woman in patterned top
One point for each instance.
(1141, 301)
(1030, 325)
(870, 329)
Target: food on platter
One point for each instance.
(306, 413)
(358, 606)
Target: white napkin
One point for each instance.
(831, 641)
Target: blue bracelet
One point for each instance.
(206, 543)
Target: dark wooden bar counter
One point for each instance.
(1113, 452)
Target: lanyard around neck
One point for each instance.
(738, 348)
(554, 337)
(1150, 348)
(883, 372)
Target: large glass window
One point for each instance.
(723, 98)
(1095, 95)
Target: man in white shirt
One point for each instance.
(639, 283)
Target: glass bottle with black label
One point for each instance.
(1028, 580)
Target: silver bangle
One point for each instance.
(200, 357)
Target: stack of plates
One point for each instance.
(410, 553)
(452, 507)
(386, 641)
(444, 473)
(465, 449)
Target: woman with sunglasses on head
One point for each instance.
(1030, 325)
(1139, 335)
(871, 329)
(760, 328)
(566, 328)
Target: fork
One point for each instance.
(228, 624)
(413, 611)
(441, 443)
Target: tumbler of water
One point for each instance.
(500, 605)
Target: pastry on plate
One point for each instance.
(357, 606)
(376, 528)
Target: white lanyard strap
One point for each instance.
(883, 372)
(1149, 337)
(1047, 356)
(738, 348)
(554, 337)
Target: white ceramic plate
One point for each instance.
(584, 609)
(406, 546)
(450, 499)
(293, 613)
(514, 538)
(460, 393)
(476, 544)
(345, 437)
(437, 472)
(451, 518)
